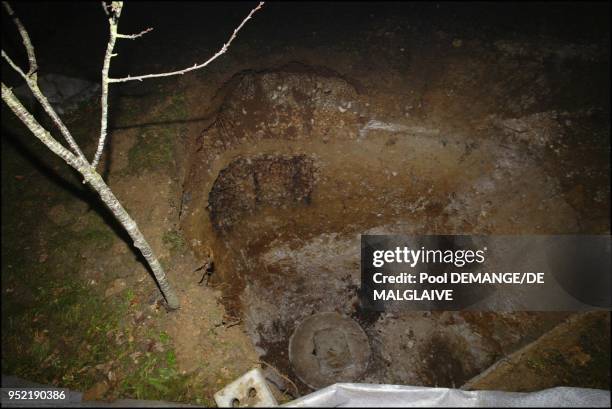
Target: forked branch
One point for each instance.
(113, 13)
(75, 158)
(31, 79)
(133, 36)
(24, 37)
(222, 51)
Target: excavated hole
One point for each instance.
(297, 166)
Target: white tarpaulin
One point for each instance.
(356, 395)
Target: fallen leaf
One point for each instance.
(158, 347)
(96, 392)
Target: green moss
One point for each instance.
(96, 238)
(175, 110)
(65, 246)
(591, 370)
(129, 295)
(164, 338)
(596, 372)
(174, 242)
(154, 147)
(153, 150)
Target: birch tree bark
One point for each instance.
(74, 156)
(97, 183)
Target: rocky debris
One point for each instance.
(292, 102)
(268, 180)
(296, 103)
(394, 127)
(539, 129)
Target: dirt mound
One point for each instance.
(257, 110)
(292, 102)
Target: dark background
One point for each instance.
(70, 37)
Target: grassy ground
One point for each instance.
(74, 313)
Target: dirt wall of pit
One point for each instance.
(298, 164)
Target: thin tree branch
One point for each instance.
(38, 130)
(13, 65)
(32, 80)
(95, 181)
(104, 7)
(114, 14)
(133, 36)
(44, 102)
(24, 37)
(222, 51)
(113, 22)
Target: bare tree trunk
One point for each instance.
(97, 183)
(75, 158)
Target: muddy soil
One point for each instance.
(297, 166)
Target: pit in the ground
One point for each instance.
(297, 167)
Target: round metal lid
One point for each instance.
(327, 348)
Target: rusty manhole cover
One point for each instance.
(327, 348)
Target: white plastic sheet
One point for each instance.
(367, 395)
